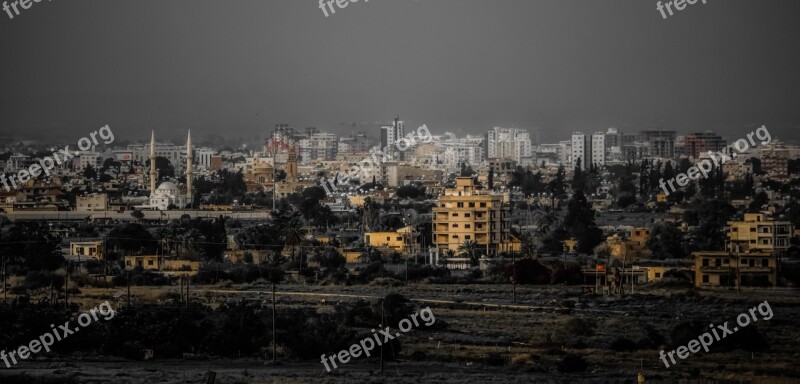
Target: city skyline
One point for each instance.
(696, 71)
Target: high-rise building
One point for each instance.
(280, 139)
(390, 134)
(696, 145)
(508, 143)
(588, 149)
(598, 150)
(319, 147)
(659, 143)
(468, 213)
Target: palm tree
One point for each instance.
(292, 235)
(470, 250)
(530, 248)
(448, 254)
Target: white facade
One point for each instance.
(90, 158)
(167, 195)
(580, 146)
(508, 143)
(203, 157)
(598, 154)
(456, 154)
(589, 149)
(319, 147)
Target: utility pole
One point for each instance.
(383, 320)
(406, 270)
(513, 277)
(187, 291)
(5, 287)
(274, 341)
(66, 289)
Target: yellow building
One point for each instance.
(403, 240)
(758, 232)
(751, 254)
(728, 269)
(148, 262)
(467, 212)
(155, 263)
(91, 249)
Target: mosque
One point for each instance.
(168, 195)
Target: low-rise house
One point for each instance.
(89, 249)
(729, 269)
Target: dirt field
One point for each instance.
(487, 338)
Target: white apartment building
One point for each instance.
(203, 157)
(319, 147)
(176, 154)
(458, 154)
(588, 149)
(508, 143)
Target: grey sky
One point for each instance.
(236, 68)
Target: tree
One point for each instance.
(292, 235)
(137, 214)
(580, 222)
(759, 201)
(709, 219)
(410, 192)
(31, 246)
(163, 167)
(666, 241)
(470, 250)
(89, 172)
(130, 237)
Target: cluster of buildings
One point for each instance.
(466, 208)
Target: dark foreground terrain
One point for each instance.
(552, 334)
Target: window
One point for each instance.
(705, 262)
(466, 226)
(455, 215)
(466, 215)
(705, 279)
(483, 205)
(461, 205)
(752, 229)
(128, 263)
(399, 238)
(467, 237)
(455, 225)
(717, 262)
(149, 262)
(472, 205)
(765, 263)
(658, 275)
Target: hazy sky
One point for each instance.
(236, 68)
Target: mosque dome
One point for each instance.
(167, 186)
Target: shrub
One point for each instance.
(572, 363)
(579, 327)
(622, 344)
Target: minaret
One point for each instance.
(152, 163)
(189, 160)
